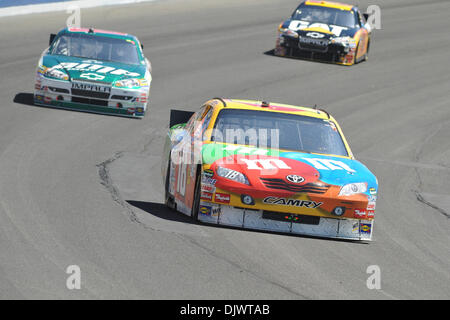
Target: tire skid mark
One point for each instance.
(420, 198)
(106, 181)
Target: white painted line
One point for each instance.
(61, 6)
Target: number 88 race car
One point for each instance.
(265, 166)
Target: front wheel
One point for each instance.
(196, 204)
(168, 198)
(366, 56)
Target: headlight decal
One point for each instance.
(353, 188)
(55, 73)
(232, 175)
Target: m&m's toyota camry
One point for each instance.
(95, 71)
(327, 31)
(267, 166)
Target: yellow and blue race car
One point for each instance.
(267, 166)
(327, 31)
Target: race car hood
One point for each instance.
(94, 70)
(271, 171)
(329, 31)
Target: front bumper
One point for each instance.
(332, 52)
(351, 229)
(106, 100)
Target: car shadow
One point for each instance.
(24, 98)
(272, 54)
(160, 210)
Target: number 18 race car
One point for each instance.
(267, 166)
(95, 71)
(324, 30)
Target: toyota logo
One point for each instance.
(315, 35)
(295, 178)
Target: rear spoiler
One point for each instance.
(179, 116)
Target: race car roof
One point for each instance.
(100, 32)
(329, 4)
(273, 107)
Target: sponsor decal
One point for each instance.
(206, 196)
(208, 188)
(372, 191)
(300, 24)
(208, 173)
(265, 164)
(355, 227)
(94, 67)
(318, 42)
(292, 202)
(222, 197)
(365, 228)
(90, 87)
(205, 210)
(359, 213)
(371, 206)
(295, 178)
(328, 164)
(130, 110)
(209, 211)
(207, 180)
(370, 213)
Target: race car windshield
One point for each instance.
(329, 16)
(97, 48)
(278, 131)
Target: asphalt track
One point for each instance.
(83, 189)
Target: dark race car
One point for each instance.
(323, 30)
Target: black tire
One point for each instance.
(197, 192)
(355, 61)
(168, 199)
(366, 56)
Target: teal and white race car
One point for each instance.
(95, 71)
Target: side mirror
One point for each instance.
(142, 46)
(366, 16)
(52, 37)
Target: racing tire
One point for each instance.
(366, 56)
(168, 198)
(355, 60)
(197, 192)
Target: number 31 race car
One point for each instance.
(267, 166)
(324, 30)
(95, 71)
